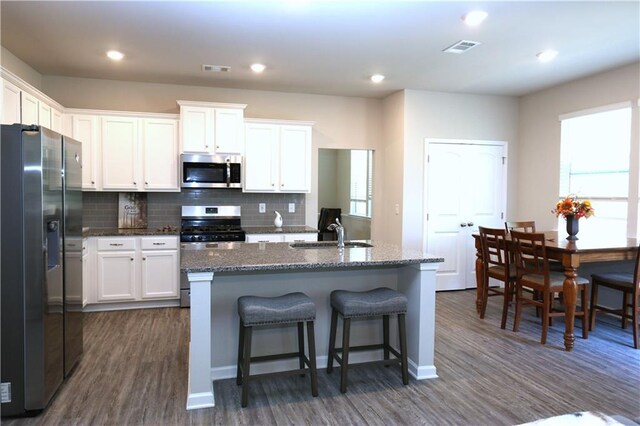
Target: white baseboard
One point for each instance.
(120, 306)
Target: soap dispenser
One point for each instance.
(278, 220)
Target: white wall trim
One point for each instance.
(99, 307)
(604, 108)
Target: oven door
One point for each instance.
(210, 171)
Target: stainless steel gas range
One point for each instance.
(202, 227)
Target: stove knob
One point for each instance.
(197, 238)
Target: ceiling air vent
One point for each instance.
(461, 46)
(215, 68)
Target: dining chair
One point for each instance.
(532, 272)
(629, 284)
(524, 226)
(497, 265)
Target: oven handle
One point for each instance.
(228, 172)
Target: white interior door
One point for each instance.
(465, 189)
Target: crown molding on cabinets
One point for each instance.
(210, 104)
(26, 87)
(121, 113)
(278, 121)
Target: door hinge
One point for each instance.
(502, 215)
(503, 159)
(427, 216)
(428, 158)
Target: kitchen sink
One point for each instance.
(329, 244)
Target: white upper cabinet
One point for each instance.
(120, 153)
(84, 128)
(44, 115)
(10, 103)
(29, 109)
(211, 128)
(160, 154)
(277, 156)
(56, 121)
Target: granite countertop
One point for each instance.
(284, 230)
(230, 257)
(116, 232)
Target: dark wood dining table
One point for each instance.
(588, 248)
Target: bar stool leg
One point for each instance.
(301, 345)
(346, 328)
(385, 333)
(240, 348)
(402, 331)
(246, 361)
(311, 337)
(332, 340)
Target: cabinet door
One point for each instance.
(119, 153)
(295, 159)
(160, 275)
(10, 103)
(85, 279)
(260, 158)
(116, 276)
(196, 125)
(160, 155)
(85, 130)
(29, 109)
(44, 115)
(229, 132)
(56, 121)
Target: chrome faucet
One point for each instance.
(339, 230)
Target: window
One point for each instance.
(361, 182)
(594, 164)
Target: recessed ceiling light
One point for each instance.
(475, 18)
(547, 55)
(114, 55)
(377, 78)
(258, 68)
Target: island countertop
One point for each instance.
(236, 257)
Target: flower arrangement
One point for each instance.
(571, 206)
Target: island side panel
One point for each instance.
(317, 284)
(200, 384)
(418, 282)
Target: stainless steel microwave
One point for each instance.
(210, 171)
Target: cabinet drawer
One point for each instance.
(158, 243)
(109, 244)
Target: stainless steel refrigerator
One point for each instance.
(41, 265)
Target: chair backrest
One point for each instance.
(524, 226)
(530, 254)
(493, 245)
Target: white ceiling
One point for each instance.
(325, 47)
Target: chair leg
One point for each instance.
(311, 344)
(585, 312)
(402, 332)
(505, 304)
(593, 304)
(634, 317)
(346, 328)
(301, 346)
(516, 319)
(625, 306)
(385, 333)
(240, 348)
(545, 316)
(332, 340)
(246, 361)
(485, 296)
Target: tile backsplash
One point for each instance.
(163, 208)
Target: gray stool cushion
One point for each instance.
(292, 307)
(380, 301)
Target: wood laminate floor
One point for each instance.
(134, 371)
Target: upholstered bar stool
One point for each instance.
(288, 309)
(378, 302)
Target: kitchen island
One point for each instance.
(220, 273)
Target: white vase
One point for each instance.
(278, 220)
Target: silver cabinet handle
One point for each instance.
(146, 183)
(115, 244)
(273, 184)
(134, 183)
(470, 224)
(463, 225)
(217, 146)
(132, 259)
(158, 244)
(144, 258)
(93, 182)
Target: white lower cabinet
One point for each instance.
(86, 272)
(132, 269)
(279, 238)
